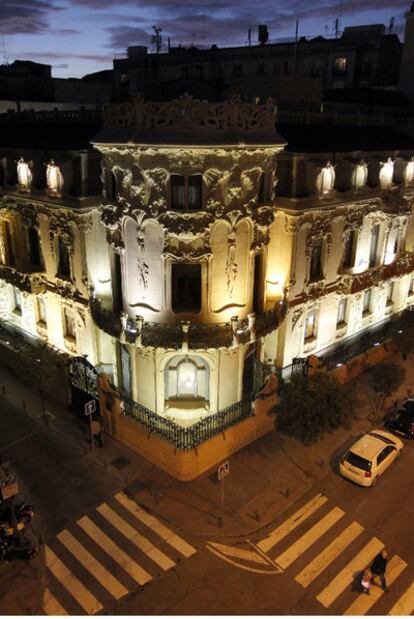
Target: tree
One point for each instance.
(384, 379)
(311, 406)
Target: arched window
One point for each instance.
(186, 378)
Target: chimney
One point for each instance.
(263, 34)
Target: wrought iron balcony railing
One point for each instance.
(190, 437)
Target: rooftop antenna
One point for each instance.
(295, 60)
(157, 38)
(4, 56)
(391, 26)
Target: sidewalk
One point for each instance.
(265, 478)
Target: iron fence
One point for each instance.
(190, 437)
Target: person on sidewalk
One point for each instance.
(366, 581)
(378, 567)
(96, 431)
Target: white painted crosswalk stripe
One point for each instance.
(140, 575)
(328, 555)
(291, 523)
(346, 575)
(405, 605)
(141, 542)
(98, 571)
(364, 602)
(78, 591)
(310, 537)
(51, 606)
(150, 521)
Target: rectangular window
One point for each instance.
(373, 249)
(70, 331)
(41, 310)
(310, 325)
(63, 259)
(186, 287)
(340, 318)
(260, 68)
(35, 253)
(8, 240)
(186, 192)
(17, 298)
(411, 286)
(397, 240)
(390, 293)
(316, 260)
(348, 260)
(340, 66)
(366, 303)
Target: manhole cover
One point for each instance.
(120, 463)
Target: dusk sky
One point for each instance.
(81, 36)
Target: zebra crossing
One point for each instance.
(331, 568)
(104, 556)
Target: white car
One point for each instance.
(370, 456)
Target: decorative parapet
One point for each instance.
(350, 284)
(188, 114)
(26, 282)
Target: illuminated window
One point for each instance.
(340, 66)
(373, 249)
(186, 192)
(69, 323)
(316, 260)
(41, 309)
(390, 293)
(17, 299)
(35, 252)
(63, 259)
(310, 325)
(187, 378)
(348, 260)
(341, 315)
(186, 287)
(366, 302)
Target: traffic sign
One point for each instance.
(90, 407)
(223, 470)
(8, 486)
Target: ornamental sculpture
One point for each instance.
(54, 179)
(325, 181)
(386, 173)
(189, 113)
(24, 176)
(360, 176)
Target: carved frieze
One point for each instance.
(185, 249)
(187, 224)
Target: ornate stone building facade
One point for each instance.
(214, 254)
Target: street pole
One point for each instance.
(90, 426)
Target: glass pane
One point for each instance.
(177, 192)
(195, 192)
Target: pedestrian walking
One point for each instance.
(378, 567)
(366, 580)
(96, 431)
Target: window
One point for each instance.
(260, 68)
(63, 259)
(340, 318)
(373, 250)
(41, 310)
(35, 253)
(397, 242)
(348, 260)
(390, 293)
(186, 287)
(17, 298)
(261, 193)
(366, 303)
(411, 286)
(8, 241)
(316, 260)
(186, 192)
(186, 378)
(124, 78)
(238, 70)
(69, 324)
(185, 72)
(310, 325)
(340, 66)
(125, 373)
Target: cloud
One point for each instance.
(66, 31)
(46, 56)
(60, 66)
(25, 16)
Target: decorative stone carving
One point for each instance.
(297, 314)
(141, 264)
(187, 113)
(24, 176)
(325, 181)
(231, 265)
(54, 180)
(360, 175)
(185, 223)
(409, 172)
(386, 173)
(187, 249)
(59, 225)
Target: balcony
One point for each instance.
(26, 282)
(186, 334)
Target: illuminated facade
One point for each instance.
(213, 252)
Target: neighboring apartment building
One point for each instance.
(293, 74)
(214, 254)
